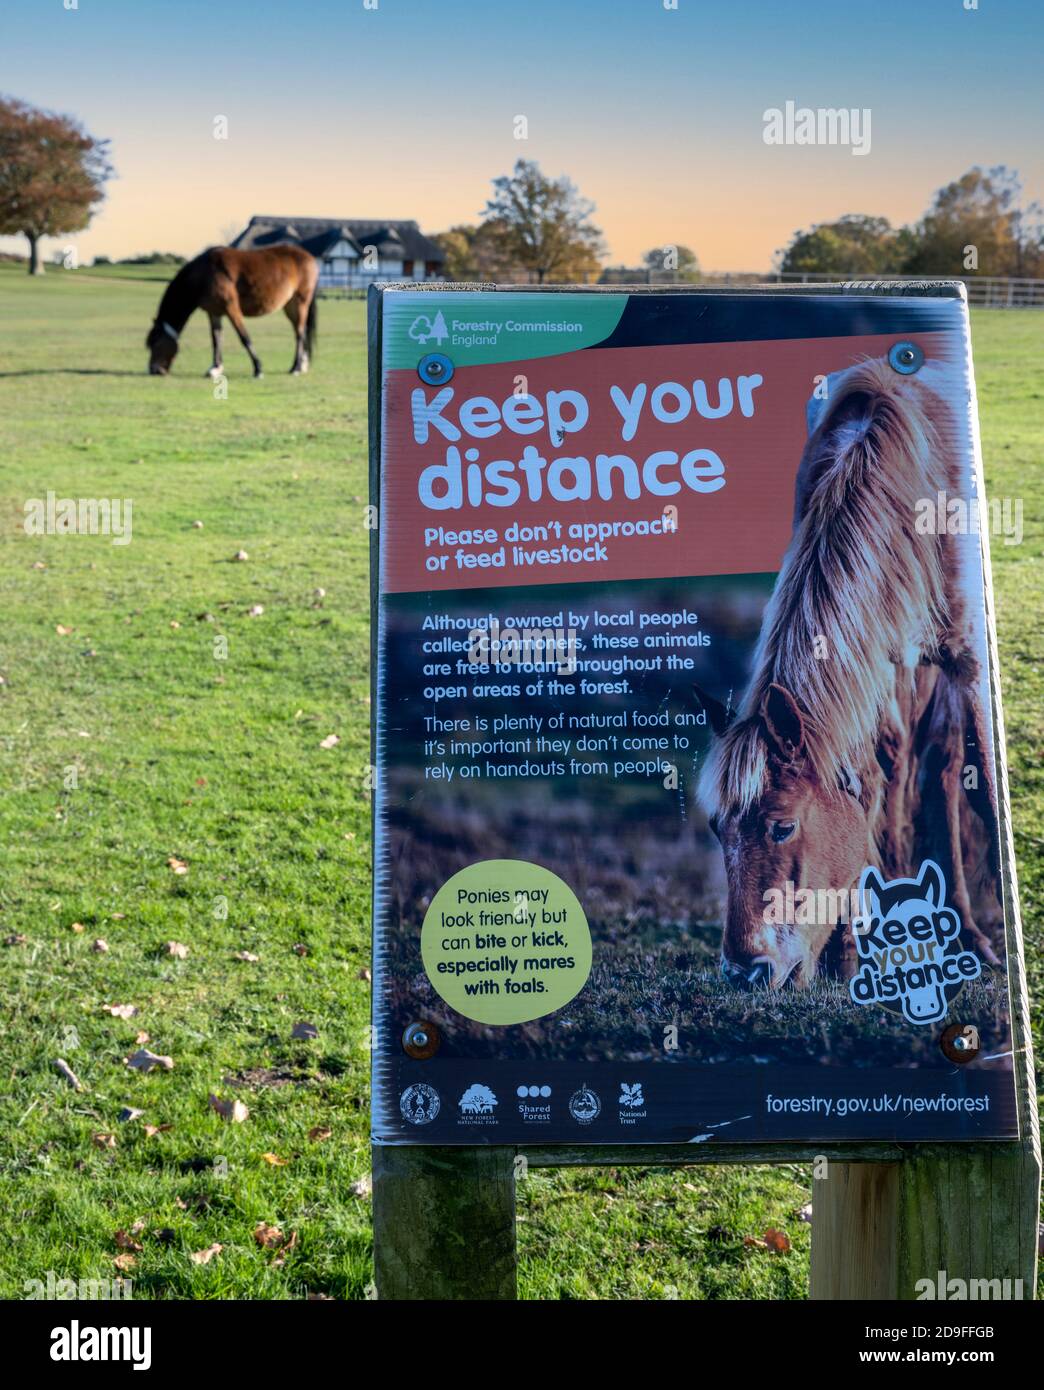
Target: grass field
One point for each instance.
(146, 716)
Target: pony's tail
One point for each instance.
(312, 324)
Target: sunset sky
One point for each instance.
(408, 110)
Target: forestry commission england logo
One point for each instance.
(419, 1104)
(911, 959)
(584, 1106)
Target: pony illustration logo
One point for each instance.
(909, 943)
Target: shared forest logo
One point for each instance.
(911, 959)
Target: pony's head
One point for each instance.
(792, 845)
(162, 343)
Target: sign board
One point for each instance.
(685, 728)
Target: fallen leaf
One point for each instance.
(304, 1030)
(175, 948)
(104, 1141)
(268, 1237)
(233, 1110)
(197, 526)
(118, 916)
(177, 866)
(241, 555)
(126, 1242)
(64, 631)
(76, 926)
(300, 949)
(362, 1187)
(125, 1261)
(755, 1242)
(174, 622)
(181, 1204)
(805, 1213)
(201, 781)
(120, 1010)
(256, 611)
(143, 1060)
(100, 945)
(319, 1298)
(152, 1130)
(318, 1133)
(15, 939)
(330, 741)
(364, 974)
(204, 1257)
(64, 1069)
(141, 1038)
(778, 1241)
(246, 955)
(287, 1247)
(275, 1160)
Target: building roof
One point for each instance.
(403, 240)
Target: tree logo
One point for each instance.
(477, 1100)
(422, 330)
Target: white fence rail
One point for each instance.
(985, 291)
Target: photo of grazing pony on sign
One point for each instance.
(862, 737)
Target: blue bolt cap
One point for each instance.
(435, 369)
(905, 358)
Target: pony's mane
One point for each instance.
(180, 298)
(858, 587)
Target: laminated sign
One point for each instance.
(688, 757)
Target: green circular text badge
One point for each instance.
(505, 941)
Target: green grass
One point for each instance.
(126, 742)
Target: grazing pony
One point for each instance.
(863, 708)
(240, 285)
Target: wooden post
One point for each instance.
(444, 1223)
(962, 1212)
(854, 1252)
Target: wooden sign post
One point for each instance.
(484, 926)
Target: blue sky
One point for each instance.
(409, 110)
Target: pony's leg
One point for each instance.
(215, 340)
(296, 310)
(244, 337)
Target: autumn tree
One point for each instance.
(477, 253)
(52, 174)
(672, 256)
(545, 224)
(977, 224)
(856, 244)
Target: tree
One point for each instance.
(856, 244)
(672, 256)
(52, 174)
(477, 253)
(977, 225)
(545, 224)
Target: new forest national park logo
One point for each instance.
(911, 959)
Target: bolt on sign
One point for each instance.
(688, 747)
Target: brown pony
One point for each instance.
(863, 712)
(240, 285)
